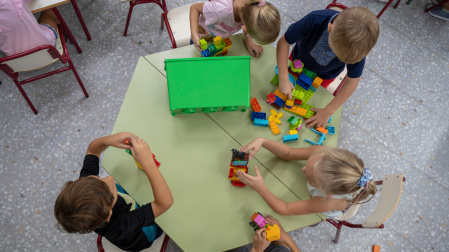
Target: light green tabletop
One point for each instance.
(208, 214)
(239, 125)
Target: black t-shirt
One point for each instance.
(124, 228)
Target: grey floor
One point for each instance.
(396, 121)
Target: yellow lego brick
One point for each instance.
(273, 232)
(282, 96)
(293, 132)
(297, 111)
(217, 40)
(318, 81)
(274, 127)
(289, 102)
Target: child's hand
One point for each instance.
(260, 242)
(271, 220)
(254, 147)
(141, 151)
(256, 183)
(286, 87)
(319, 119)
(118, 140)
(253, 49)
(196, 41)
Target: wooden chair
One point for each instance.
(160, 244)
(37, 58)
(388, 201)
(133, 3)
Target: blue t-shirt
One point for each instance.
(312, 47)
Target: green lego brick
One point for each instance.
(275, 80)
(296, 94)
(307, 95)
(309, 73)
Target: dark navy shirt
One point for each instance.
(312, 46)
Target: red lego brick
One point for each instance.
(255, 105)
(237, 183)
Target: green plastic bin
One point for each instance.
(206, 85)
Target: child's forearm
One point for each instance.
(282, 50)
(291, 244)
(97, 146)
(278, 205)
(194, 17)
(345, 92)
(163, 199)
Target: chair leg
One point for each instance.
(80, 18)
(78, 78)
(25, 96)
(337, 235)
(396, 5)
(162, 22)
(131, 6)
(385, 7)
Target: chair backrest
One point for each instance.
(180, 24)
(349, 214)
(388, 201)
(35, 58)
(336, 6)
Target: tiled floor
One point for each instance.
(396, 121)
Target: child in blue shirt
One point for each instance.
(326, 41)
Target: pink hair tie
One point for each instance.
(261, 3)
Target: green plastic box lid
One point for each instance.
(208, 84)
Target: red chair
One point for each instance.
(388, 201)
(133, 3)
(37, 58)
(160, 244)
(335, 4)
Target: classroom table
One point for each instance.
(36, 6)
(209, 214)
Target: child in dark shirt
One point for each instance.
(98, 204)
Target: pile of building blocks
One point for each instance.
(258, 221)
(306, 83)
(219, 47)
(295, 125)
(239, 162)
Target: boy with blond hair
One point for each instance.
(98, 204)
(326, 42)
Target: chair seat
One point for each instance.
(156, 247)
(36, 60)
(349, 214)
(180, 24)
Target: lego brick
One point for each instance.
(255, 104)
(239, 162)
(297, 65)
(297, 94)
(237, 183)
(279, 101)
(312, 88)
(297, 111)
(289, 102)
(240, 155)
(217, 40)
(258, 115)
(212, 49)
(280, 95)
(294, 74)
(273, 232)
(228, 42)
(322, 138)
(288, 107)
(274, 127)
(376, 248)
(302, 84)
(330, 130)
(260, 123)
(293, 132)
(309, 73)
(330, 119)
(306, 79)
(205, 53)
(296, 125)
(298, 102)
(203, 44)
(290, 138)
(275, 116)
(292, 120)
(276, 106)
(299, 128)
(317, 81)
(260, 221)
(322, 130)
(275, 80)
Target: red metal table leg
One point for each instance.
(66, 29)
(80, 18)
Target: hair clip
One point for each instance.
(261, 3)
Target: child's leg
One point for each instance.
(49, 17)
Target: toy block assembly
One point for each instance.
(255, 105)
(294, 122)
(258, 115)
(239, 162)
(290, 138)
(330, 130)
(296, 66)
(219, 47)
(260, 123)
(274, 127)
(258, 221)
(322, 138)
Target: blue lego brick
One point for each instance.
(279, 101)
(330, 119)
(239, 162)
(205, 53)
(312, 88)
(302, 84)
(289, 138)
(260, 122)
(258, 115)
(322, 138)
(306, 79)
(310, 142)
(289, 107)
(330, 130)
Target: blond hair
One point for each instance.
(263, 23)
(338, 171)
(354, 34)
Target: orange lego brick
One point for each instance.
(228, 42)
(296, 110)
(255, 105)
(254, 216)
(274, 127)
(280, 95)
(376, 248)
(273, 232)
(322, 130)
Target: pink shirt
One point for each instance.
(218, 18)
(19, 30)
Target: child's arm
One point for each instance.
(195, 11)
(97, 146)
(253, 49)
(322, 115)
(285, 238)
(163, 199)
(279, 149)
(285, 86)
(303, 207)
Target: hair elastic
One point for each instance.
(365, 178)
(261, 3)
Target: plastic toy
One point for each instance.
(320, 141)
(296, 66)
(271, 98)
(274, 127)
(330, 130)
(294, 122)
(255, 105)
(186, 78)
(128, 142)
(275, 116)
(219, 47)
(258, 115)
(322, 130)
(293, 132)
(258, 221)
(260, 123)
(290, 138)
(239, 161)
(330, 119)
(376, 248)
(203, 44)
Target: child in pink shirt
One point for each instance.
(259, 20)
(19, 30)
